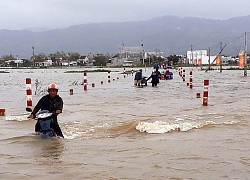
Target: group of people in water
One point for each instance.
(155, 77)
(54, 103)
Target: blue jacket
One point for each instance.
(138, 75)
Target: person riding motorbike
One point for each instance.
(53, 103)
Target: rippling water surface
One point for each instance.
(118, 131)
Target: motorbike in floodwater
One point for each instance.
(144, 81)
(45, 120)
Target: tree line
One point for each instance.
(98, 59)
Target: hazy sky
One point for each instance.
(21, 14)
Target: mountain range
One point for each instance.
(170, 34)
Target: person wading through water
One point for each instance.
(138, 78)
(156, 75)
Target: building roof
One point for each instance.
(83, 57)
(131, 49)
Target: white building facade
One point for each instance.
(199, 57)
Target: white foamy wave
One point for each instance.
(164, 127)
(17, 118)
(77, 130)
(71, 135)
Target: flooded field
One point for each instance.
(118, 131)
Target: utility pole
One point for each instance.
(143, 54)
(220, 57)
(143, 57)
(149, 61)
(196, 57)
(17, 61)
(192, 55)
(33, 55)
(209, 56)
(216, 57)
(245, 67)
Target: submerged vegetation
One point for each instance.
(89, 71)
(4, 72)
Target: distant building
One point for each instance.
(199, 57)
(15, 62)
(156, 53)
(226, 60)
(73, 63)
(82, 59)
(49, 62)
(129, 56)
(64, 63)
(43, 63)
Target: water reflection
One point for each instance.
(50, 149)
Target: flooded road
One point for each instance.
(118, 131)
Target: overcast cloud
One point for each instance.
(21, 14)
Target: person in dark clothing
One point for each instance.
(53, 103)
(138, 78)
(156, 75)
